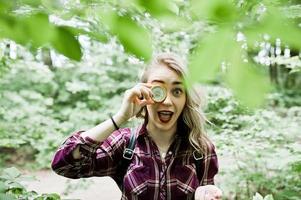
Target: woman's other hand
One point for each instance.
(208, 192)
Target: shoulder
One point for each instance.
(211, 150)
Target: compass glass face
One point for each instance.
(159, 93)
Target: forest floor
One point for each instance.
(96, 188)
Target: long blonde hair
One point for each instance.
(192, 115)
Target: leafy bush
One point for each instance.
(259, 150)
(41, 105)
(12, 189)
(257, 196)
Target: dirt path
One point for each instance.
(95, 188)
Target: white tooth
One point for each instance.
(166, 112)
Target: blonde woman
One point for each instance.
(170, 156)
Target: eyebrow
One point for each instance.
(174, 82)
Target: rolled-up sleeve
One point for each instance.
(97, 158)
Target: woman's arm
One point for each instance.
(100, 132)
(96, 158)
(131, 105)
(97, 151)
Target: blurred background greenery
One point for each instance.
(64, 65)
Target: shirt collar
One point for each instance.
(142, 131)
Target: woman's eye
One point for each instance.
(177, 91)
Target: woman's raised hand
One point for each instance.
(134, 99)
(208, 192)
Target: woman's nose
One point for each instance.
(167, 100)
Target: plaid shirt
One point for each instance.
(148, 176)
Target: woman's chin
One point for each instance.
(164, 124)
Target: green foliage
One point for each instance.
(65, 43)
(48, 105)
(221, 45)
(23, 30)
(156, 7)
(259, 149)
(12, 189)
(216, 11)
(126, 21)
(285, 98)
(131, 35)
(257, 196)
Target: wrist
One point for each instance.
(119, 119)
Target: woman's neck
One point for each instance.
(162, 138)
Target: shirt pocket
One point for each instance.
(136, 180)
(187, 181)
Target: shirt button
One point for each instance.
(169, 152)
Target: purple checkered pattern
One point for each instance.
(148, 177)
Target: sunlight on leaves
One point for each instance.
(30, 29)
(276, 25)
(205, 62)
(158, 7)
(220, 11)
(134, 38)
(248, 84)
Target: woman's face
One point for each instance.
(164, 115)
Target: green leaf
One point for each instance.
(11, 28)
(297, 166)
(6, 5)
(26, 178)
(65, 43)
(3, 187)
(257, 196)
(18, 187)
(158, 7)
(248, 84)
(205, 62)
(52, 196)
(27, 29)
(220, 11)
(268, 197)
(7, 197)
(274, 23)
(133, 37)
(172, 23)
(35, 25)
(293, 11)
(34, 3)
(94, 35)
(37, 30)
(11, 172)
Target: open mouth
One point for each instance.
(165, 116)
